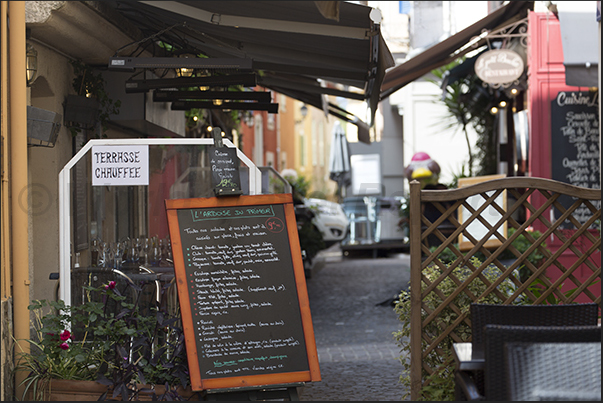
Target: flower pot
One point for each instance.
(61, 390)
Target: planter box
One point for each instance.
(60, 390)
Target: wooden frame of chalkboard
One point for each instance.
(242, 291)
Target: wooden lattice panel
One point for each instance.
(442, 291)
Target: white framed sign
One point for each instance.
(490, 214)
(366, 174)
(119, 165)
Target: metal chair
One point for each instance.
(553, 371)
(496, 336)
(520, 315)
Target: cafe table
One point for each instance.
(467, 358)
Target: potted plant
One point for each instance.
(91, 103)
(112, 347)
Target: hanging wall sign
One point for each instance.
(499, 66)
(120, 165)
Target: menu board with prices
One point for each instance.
(242, 291)
(575, 146)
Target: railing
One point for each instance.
(440, 316)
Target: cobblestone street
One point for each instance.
(353, 325)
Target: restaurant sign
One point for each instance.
(120, 165)
(499, 66)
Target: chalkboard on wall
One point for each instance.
(242, 291)
(575, 145)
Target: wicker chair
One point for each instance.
(529, 315)
(496, 336)
(519, 315)
(553, 371)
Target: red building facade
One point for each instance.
(546, 84)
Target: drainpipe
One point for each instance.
(6, 279)
(18, 175)
(5, 316)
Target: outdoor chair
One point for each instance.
(496, 336)
(553, 371)
(520, 315)
(529, 315)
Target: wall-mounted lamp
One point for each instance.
(31, 64)
(303, 112)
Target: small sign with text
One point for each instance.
(126, 165)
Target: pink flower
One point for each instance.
(65, 335)
(111, 285)
(64, 346)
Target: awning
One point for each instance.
(452, 48)
(579, 38)
(284, 39)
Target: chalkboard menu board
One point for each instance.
(242, 291)
(225, 171)
(575, 145)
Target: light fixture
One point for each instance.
(494, 110)
(303, 112)
(185, 71)
(209, 128)
(31, 64)
(514, 91)
(502, 104)
(217, 102)
(203, 73)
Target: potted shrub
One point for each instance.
(91, 103)
(439, 385)
(108, 347)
